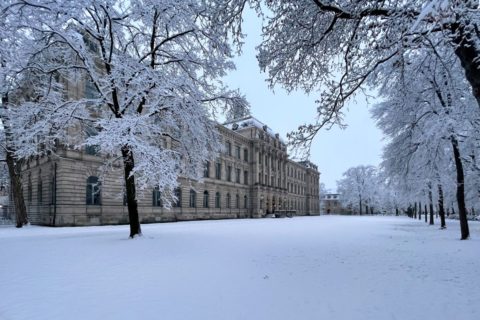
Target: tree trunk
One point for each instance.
(425, 213)
(468, 54)
(17, 190)
(361, 206)
(14, 168)
(396, 211)
(430, 199)
(441, 208)
(129, 165)
(419, 210)
(462, 211)
(415, 211)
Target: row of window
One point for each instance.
(229, 173)
(93, 197)
(218, 198)
(238, 152)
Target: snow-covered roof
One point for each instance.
(251, 121)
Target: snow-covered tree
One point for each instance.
(150, 75)
(430, 119)
(10, 57)
(340, 46)
(358, 188)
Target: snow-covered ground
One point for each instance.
(326, 267)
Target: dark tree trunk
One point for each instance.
(129, 165)
(462, 211)
(419, 210)
(430, 199)
(361, 206)
(468, 54)
(415, 211)
(425, 215)
(441, 208)
(396, 211)
(14, 169)
(17, 190)
(366, 210)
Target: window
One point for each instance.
(273, 181)
(217, 200)
(228, 146)
(245, 177)
(237, 151)
(178, 194)
(91, 149)
(260, 178)
(245, 202)
(229, 173)
(157, 198)
(93, 191)
(237, 201)
(205, 199)
(238, 175)
(228, 200)
(39, 191)
(245, 155)
(90, 90)
(192, 202)
(206, 170)
(260, 156)
(218, 170)
(30, 189)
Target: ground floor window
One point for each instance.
(93, 196)
(193, 199)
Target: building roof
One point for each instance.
(250, 121)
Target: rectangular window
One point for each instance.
(228, 146)
(206, 170)
(260, 157)
(229, 173)
(237, 149)
(238, 175)
(218, 170)
(157, 198)
(245, 155)
(245, 177)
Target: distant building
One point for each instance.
(252, 178)
(330, 203)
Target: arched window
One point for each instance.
(93, 196)
(205, 199)
(193, 199)
(228, 200)
(178, 194)
(237, 201)
(157, 198)
(245, 201)
(217, 200)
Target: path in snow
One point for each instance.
(326, 267)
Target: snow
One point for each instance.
(327, 267)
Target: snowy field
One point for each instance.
(325, 267)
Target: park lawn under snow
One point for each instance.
(326, 267)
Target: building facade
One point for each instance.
(253, 177)
(331, 203)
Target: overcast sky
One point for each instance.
(334, 151)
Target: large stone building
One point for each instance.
(252, 178)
